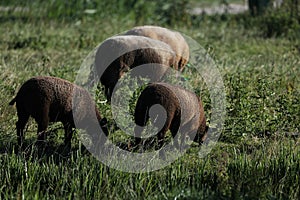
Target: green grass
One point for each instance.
(254, 159)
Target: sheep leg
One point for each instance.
(160, 136)
(42, 125)
(137, 134)
(141, 117)
(174, 130)
(20, 128)
(42, 132)
(68, 135)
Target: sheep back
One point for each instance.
(50, 97)
(119, 54)
(184, 109)
(172, 38)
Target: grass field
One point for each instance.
(258, 153)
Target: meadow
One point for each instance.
(258, 153)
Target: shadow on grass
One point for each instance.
(48, 150)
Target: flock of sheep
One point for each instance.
(50, 99)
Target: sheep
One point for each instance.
(50, 99)
(184, 113)
(172, 38)
(119, 54)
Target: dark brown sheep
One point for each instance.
(49, 99)
(184, 112)
(119, 54)
(174, 39)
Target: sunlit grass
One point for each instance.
(257, 155)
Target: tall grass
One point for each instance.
(261, 170)
(257, 156)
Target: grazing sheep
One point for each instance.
(184, 112)
(119, 54)
(49, 99)
(172, 38)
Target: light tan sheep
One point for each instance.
(174, 39)
(119, 54)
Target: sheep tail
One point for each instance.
(12, 102)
